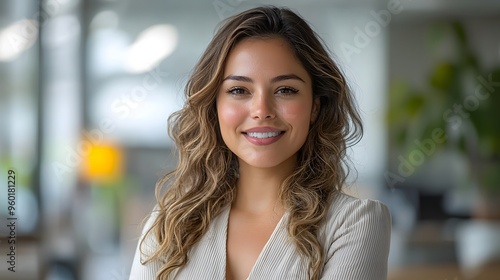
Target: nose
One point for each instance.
(262, 106)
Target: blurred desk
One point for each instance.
(442, 272)
(429, 252)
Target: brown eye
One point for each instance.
(286, 91)
(236, 91)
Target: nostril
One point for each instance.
(262, 108)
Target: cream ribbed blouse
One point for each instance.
(356, 239)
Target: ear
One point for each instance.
(315, 109)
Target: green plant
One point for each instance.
(462, 97)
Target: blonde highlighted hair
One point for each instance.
(203, 183)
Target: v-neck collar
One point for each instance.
(273, 239)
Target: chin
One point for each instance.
(266, 162)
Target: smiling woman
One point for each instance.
(265, 98)
(262, 143)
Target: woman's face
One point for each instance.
(265, 103)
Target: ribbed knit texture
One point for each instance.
(356, 237)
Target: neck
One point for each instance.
(258, 189)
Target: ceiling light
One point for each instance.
(17, 38)
(151, 47)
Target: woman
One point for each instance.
(262, 139)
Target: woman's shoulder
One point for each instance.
(147, 238)
(356, 238)
(342, 202)
(351, 212)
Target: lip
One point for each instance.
(263, 129)
(263, 141)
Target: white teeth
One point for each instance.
(263, 134)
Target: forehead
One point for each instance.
(263, 57)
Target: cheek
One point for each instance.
(297, 113)
(230, 115)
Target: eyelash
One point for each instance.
(233, 89)
(291, 91)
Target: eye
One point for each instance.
(287, 91)
(236, 91)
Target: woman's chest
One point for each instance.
(277, 257)
(247, 237)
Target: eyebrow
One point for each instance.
(273, 80)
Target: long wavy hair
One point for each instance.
(203, 183)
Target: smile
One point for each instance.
(262, 135)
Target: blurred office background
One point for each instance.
(86, 87)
